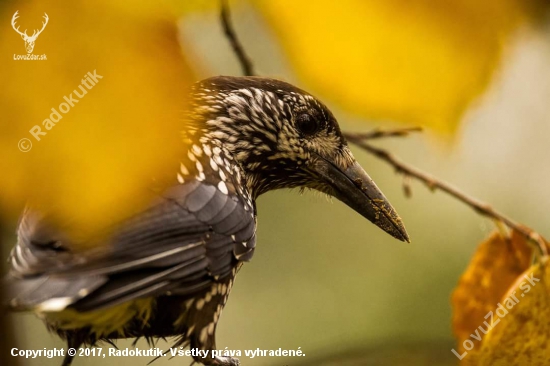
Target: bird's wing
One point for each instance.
(194, 234)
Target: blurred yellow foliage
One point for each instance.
(416, 61)
(96, 163)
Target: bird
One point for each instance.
(167, 271)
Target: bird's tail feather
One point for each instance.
(48, 292)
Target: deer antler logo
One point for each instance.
(29, 40)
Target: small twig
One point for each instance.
(407, 190)
(433, 183)
(378, 133)
(244, 60)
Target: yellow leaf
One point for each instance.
(103, 150)
(417, 61)
(494, 268)
(521, 336)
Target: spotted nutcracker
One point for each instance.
(169, 270)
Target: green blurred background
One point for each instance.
(325, 279)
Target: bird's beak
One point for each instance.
(356, 189)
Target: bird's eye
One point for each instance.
(307, 124)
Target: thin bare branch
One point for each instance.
(228, 29)
(433, 184)
(378, 133)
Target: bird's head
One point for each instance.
(283, 137)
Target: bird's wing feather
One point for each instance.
(193, 234)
